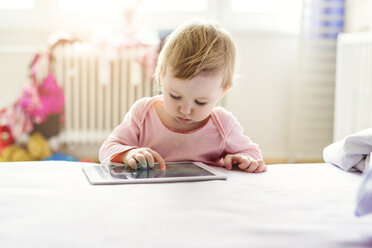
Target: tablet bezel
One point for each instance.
(99, 175)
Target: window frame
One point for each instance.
(47, 16)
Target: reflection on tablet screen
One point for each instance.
(173, 170)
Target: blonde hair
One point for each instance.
(198, 47)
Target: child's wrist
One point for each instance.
(118, 158)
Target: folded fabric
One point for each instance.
(353, 152)
(364, 204)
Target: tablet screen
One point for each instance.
(173, 170)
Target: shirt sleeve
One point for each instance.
(126, 135)
(236, 142)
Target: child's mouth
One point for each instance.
(183, 119)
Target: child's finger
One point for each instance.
(141, 159)
(243, 162)
(150, 159)
(252, 166)
(260, 162)
(228, 162)
(132, 163)
(158, 159)
(260, 168)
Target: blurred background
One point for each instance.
(70, 69)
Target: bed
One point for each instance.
(51, 204)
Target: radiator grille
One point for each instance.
(353, 98)
(99, 89)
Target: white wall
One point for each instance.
(261, 99)
(13, 66)
(17, 48)
(358, 16)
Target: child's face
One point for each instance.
(191, 101)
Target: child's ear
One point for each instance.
(161, 77)
(225, 90)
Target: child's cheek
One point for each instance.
(171, 106)
(204, 113)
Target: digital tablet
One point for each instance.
(175, 172)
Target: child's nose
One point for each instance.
(185, 108)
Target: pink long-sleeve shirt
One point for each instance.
(141, 127)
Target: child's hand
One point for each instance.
(144, 156)
(245, 163)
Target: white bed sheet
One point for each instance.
(51, 204)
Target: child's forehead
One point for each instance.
(170, 73)
(202, 78)
(203, 84)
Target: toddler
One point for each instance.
(195, 69)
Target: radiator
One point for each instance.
(100, 86)
(353, 93)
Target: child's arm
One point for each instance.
(122, 146)
(125, 136)
(239, 149)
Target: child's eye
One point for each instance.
(175, 97)
(200, 103)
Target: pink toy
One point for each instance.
(38, 102)
(42, 100)
(52, 98)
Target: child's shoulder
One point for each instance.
(141, 107)
(224, 117)
(223, 113)
(145, 102)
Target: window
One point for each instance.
(16, 4)
(144, 5)
(267, 6)
(86, 15)
(282, 16)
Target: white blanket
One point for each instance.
(354, 151)
(51, 204)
